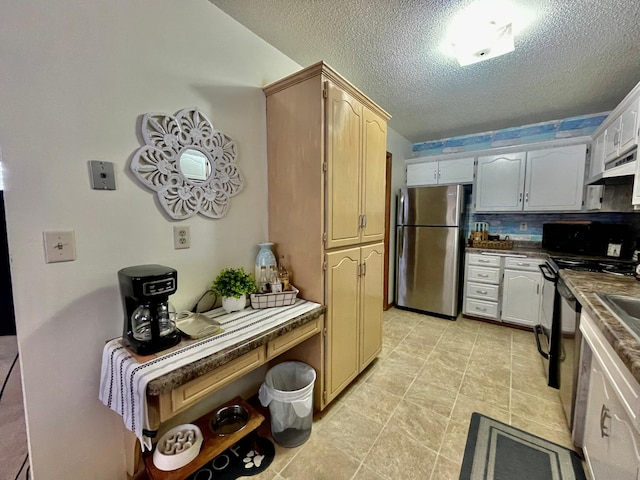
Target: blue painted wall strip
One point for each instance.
(526, 134)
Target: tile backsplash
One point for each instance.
(528, 226)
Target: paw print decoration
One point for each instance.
(253, 459)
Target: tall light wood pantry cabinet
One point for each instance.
(326, 144)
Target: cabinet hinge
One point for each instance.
(324, 395)
(325, 89)
(324, 237)
(324, 331)
(324, 166)
(324, 266)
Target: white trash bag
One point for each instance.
(288, 391)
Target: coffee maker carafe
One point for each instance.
(145, 291)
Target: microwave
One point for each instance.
(587, 238)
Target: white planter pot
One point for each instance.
(230, 304)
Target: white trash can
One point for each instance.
(288, 391)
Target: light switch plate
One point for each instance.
(59, 246)
(103, 175)
(613, 250)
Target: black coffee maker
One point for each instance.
(145, 291)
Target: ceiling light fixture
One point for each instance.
(484, 30)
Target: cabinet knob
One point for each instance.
(482, 292)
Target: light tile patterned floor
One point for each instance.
(406, 417)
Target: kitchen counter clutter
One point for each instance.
(146, 391)
(584, 286)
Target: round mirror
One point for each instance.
(195, 165)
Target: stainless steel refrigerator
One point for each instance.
(428, 245)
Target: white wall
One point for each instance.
(400, 149)
(76, 77)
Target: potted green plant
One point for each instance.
(233, 285)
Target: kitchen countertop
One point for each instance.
(182, 375)
(530, 249)
(584, 286)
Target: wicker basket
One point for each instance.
(495, 244)
(267, 300)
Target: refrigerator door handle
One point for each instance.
(400, 219)
(400, 241)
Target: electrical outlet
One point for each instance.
(613, 250)
(523, 227)
(181, 237)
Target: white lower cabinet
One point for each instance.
(611, 440)
(503, 288)
(521, 297)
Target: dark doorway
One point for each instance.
(7, 316)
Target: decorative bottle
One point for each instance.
(283, 275)
(263, 282)
(265, 258)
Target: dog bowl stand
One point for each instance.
(212, 445)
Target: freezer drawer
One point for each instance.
(482, 291)
(428, 269)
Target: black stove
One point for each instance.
(614, 267)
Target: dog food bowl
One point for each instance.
(229, 419)
(177, 447)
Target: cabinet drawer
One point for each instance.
(484, 275)
(523, 263)
(484, 260)
(191, 392)
(481, 308)
(289, 340)
(482, 291)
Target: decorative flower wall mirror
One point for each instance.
(188, 163)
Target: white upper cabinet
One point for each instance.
(499, 182)
(628, 128)
(555, 178)
(422, 174)
(596, 167)
(440, 172)
(539, 180)
(459, 170)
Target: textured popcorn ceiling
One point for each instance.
(578, 57)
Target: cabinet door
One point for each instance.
(555, 178)
(459, 170)
(344, 146)
(521, 297)
(611, 444)
(343, 308)
(611, 141)
(374, 162)
(371, 311)
(500, 182)
(419, 174)
(635, 199)
(597, 156)
(628, 128)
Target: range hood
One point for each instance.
(624, 166)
